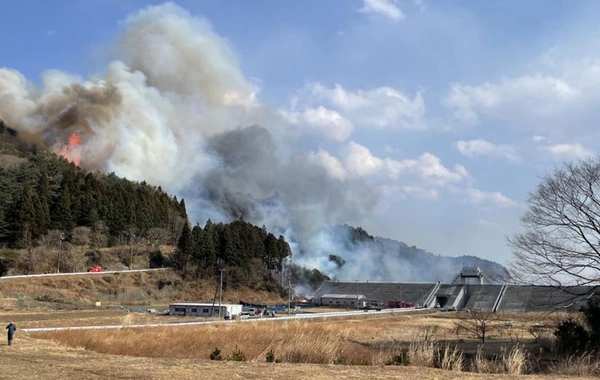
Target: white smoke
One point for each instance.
(174, 109)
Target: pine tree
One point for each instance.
(184, 253)
(43, 210)
(25, 225)
(61, 215)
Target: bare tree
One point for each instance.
(476, 322)
(81, 236)
(99, 235)
(561, 242)
(158, 236)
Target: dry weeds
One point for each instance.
(585, 364)
(41, 359)
(183, 351)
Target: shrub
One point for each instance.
(271, 356)
(571, 336)
(156, 259)
(400, 359)
(591, 312)
(216, 354)
(237, 356)
(8, 258)
(94, 258)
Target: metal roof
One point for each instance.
(202, 304)
(348, 296)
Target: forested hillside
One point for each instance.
(40, 191)
(385, 259)
(248, 255)
(54, 214)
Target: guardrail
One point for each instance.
(264, 319)
(80, 273)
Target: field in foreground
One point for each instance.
(348, 348)
(32, 358)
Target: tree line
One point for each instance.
(248, 255)
(46, 201)
(40, 191)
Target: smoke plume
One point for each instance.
(173, 108)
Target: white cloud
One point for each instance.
(425, 171)
(480, 147)
(382, 107)
(538, 95)
(477, 196)
(332, 164)
(51, 32)
(537, 138)
(420, 192)
(570, 151)
(557, 100)
(361, 162)
(387, 8)
(328, 122)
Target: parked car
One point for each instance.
(95, 269)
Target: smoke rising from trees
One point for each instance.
(173, 108)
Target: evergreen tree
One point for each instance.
(184, 252)
(24, 223)
(62, 218)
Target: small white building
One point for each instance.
(344, 300)
(198, 309)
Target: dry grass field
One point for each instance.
(132, 289)
(320, 349)
(352, 348)
(34, 358)
(374, 346)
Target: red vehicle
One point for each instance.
(95, 269)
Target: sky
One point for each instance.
(454, 110)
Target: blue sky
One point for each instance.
(453, 108)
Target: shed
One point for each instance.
(344, 300)
(204, 309)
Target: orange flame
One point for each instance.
(72, 151)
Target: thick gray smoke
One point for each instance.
(174, 109)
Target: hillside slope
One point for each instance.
(129, 289)
(361, 256)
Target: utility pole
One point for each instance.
(220, 291)
(62, 238)
(289, 294)
(356, 294)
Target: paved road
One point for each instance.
(81, 273)
(338, 314)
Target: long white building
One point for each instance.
(344, 300)
(199, 309)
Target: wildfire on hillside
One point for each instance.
(72, 151)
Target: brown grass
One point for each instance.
(373, 340)
(292, 342)
(452, 359)
(42, 359)
(585, 364)
(134, 289)
(514, 360)
(183, 351)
